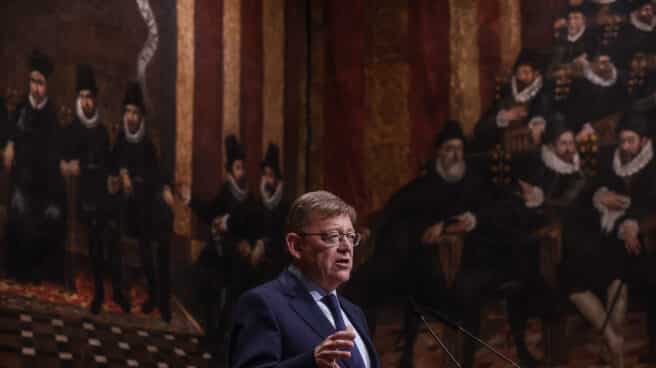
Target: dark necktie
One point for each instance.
(331, 301)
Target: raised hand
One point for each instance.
(335, 347)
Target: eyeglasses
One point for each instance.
(334, 238)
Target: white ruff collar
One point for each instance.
(89, 123)
(271, 201)
(527, 93)
(637, 164)
(596, 79)
(134, 137)
(237, 192)
(578, 35)
(555, 163)
(36, 106)
(645, 27)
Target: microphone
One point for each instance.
(447, 321)
(415, 308)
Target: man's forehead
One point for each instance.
(328, 222)
(37, 75)
(132, 108)
(452, 143)
(566, 136)
(525, 68)
(629, 134)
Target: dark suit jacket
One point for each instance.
(278, 324)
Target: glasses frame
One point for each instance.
(341, 238)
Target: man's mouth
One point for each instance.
(343, 262)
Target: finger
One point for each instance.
(340, 342)
(323, 363)
(342, 335)
(343, 345)
(333, 355)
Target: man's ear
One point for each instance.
(294, 245)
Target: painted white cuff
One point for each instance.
(225, 220)
(471, 218)
(608, 217)
(537, 122)
(535, 198)
(501, 122)
(628, 227)
(596, 199)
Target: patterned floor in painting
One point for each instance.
(46, 326)
(583, 345)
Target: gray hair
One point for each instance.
(314, 206)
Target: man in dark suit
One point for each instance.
(298, 320)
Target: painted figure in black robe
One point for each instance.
(576, 41)
(595, 95)
(638, 34)
(524, 100)
(641, 87)
(36, 228)
(274, 206)
(233, 216)
(554, 185)
(147, 200)
(557, 174)
(452, 197)
(600, 259)
(86, 154)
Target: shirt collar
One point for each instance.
(315, 290)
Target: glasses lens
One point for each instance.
(331, 238)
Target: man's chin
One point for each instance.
(568, 160)
(343, 274)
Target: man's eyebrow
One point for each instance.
(338, 230)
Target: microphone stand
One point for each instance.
(452, 358)
(458, 327)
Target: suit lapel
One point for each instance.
(302, 303)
